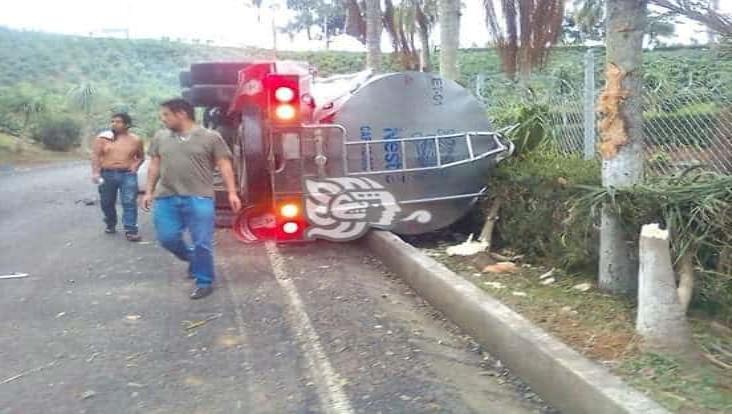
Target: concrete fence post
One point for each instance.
(589, 106)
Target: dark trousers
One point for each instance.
(124, 183)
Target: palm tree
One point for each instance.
(373, 34)
(425, 15)
(83, 97)
(621, 131)
(400, 24)
(524, 31)
(449, 12)
(590, 18)
(30, 108)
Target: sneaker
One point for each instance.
(133, 237)
(110, 230)
(201, 292)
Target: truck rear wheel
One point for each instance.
(254, 224)
(187, 95)
(217, 73)
(255, 156)
(185, 79)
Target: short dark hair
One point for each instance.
(180, 105)
(125, 117)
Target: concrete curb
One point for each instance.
(561, 376)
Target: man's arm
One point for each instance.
(153, 174)
(227, 173)
(139, 156)
(96, 157)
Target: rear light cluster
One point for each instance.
(290, 227)
(284, 99)
(285, 223)
(290, 210)
(291, 222)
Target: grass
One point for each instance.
(31, 153)
(601, 327)
(679, 387)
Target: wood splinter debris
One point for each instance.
(30, 371)
(14, 276)
(190, 325)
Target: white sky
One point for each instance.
(226, 22)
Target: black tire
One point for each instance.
(216, 73)
(224, 218)
(251, 130)
(211, 95)
(186, 81)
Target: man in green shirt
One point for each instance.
(180, 179)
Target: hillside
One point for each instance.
(39, 72)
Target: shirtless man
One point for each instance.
(116, 156)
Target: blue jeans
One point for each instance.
(172, 215)
(124, 182)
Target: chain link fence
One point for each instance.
(684, 126)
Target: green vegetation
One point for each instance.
(15, 151)
(555, 201)
(601, 327)
(697, 208)
(58, 132)
(678, 386)
(89, 78)
(538, 188)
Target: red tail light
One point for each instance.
(291, 221)
(284, 94)
(290, 227)
(284, 98)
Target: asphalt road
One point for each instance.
(102, 325)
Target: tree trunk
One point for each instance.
(373, 35)
(617, 267)
(621, 130)
(686, 278)
(424, 54)
(449, 11)
(486, 234)
(423, 26)
(661, 320)
(355, 23)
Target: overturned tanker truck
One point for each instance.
(331, 158)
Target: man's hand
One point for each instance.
(234, 202)
(147, 201)
(152, 179)
(227, 173)
(95, 178)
